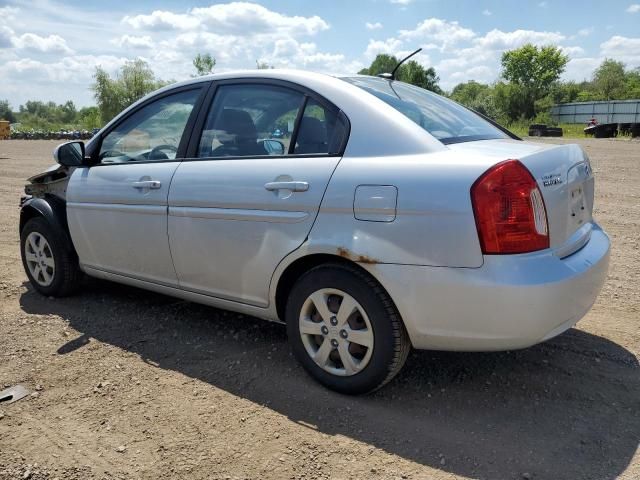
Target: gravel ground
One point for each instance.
(131, 384)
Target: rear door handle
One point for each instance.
(151, 184)
(293, 186)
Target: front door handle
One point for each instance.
(151, 184)
(293, 186)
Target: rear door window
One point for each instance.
(250, 120)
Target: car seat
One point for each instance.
(312, 137)
(241, 138)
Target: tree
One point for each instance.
(534, 70)
(414, 73)
(511, 102)
(263, 65)
(609, 79)
(67, 112)
(134, 80)
(5, 111)
(478, 96)
(89, 118)
(632, 84)
(383, 63)
(204, 64)
(411, 72)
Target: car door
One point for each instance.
(247, 199)
(117, 209)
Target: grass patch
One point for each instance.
(569, 130)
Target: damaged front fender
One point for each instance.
(53, 181)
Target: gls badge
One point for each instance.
(553, 179)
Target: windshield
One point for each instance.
(441, 117)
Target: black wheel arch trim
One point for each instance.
(51, 208)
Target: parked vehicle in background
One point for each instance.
(392, 218)
(50, 134)
(5, 131)
(541, 130)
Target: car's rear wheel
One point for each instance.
(48, 260)
(345, 330)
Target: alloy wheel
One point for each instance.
(39, 258)
(336, 332)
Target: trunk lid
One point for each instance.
(565, 179)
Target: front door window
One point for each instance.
(152, 133)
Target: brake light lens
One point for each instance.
(509, 210)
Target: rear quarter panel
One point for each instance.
(434, 223)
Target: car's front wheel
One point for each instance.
(49, 262)
(345, 330)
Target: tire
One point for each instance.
(374, 322)
(59, 274)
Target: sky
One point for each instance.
(49, 49)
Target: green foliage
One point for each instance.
(38, 115)
(414, 73)
(477, 96)
(383, 63)
(410, 72)
(609, 79)
(534, 70)
(134, 80)
(532, 87)
(5, 111)
(89, 118)
(204, 64)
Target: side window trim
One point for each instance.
(296, 125)
(187, 133)
(207, 104)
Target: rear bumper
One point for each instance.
(512, 301)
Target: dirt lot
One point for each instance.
(130, 384)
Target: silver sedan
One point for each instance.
(369, 215)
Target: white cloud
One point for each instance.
(487, 13)
(34, 42)
(401, 2)
(6, 34)
(622, 48)
(634, 8)
(8, 14)
(132, 41)
(389, 46)
(580, 69)
(499, 40)
(585, 32)
(162, 20)
(251, 19)
(236, 18)
(72, 69)
(439, 31)
(373, 26)
(572, 51)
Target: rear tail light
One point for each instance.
(509, 210)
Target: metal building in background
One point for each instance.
(614, 111)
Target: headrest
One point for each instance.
(238, 123)
(311, 131)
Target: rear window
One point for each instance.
(441, 117)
